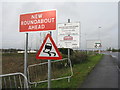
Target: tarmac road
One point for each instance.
(104, 75)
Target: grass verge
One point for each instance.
(80, 72)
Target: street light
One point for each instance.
(99, 33)
(99, 38)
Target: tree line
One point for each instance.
(113, 49)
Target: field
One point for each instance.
(13, 62)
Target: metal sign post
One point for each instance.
(68, 48)
(25, 55)
(49, 74)
(49, 71)
(68, 53)
(99, 51)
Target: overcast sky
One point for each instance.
(91, 16)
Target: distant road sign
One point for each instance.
(48, 50)
(68, 35)
(93, 44)
(39, 21)
(98, 45)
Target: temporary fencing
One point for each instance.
(13, 80)
(37, 73)
(60, 69)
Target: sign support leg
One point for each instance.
(68, 53)
(25, 55)
(49, 71)
(49, 74)
(99, 51)
(68, 48)
(69, 60)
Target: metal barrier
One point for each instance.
(37, 73)
(13, 80)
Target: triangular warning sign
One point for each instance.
(48, 50)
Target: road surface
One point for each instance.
(115, 55)
(104, 75)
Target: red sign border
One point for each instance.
(51, 58)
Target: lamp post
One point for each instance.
(99, 39)
(99, 32)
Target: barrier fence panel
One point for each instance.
(14, 80)
(60, 69)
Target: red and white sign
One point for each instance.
(48, 50)
(68, 38)
(39, 21)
